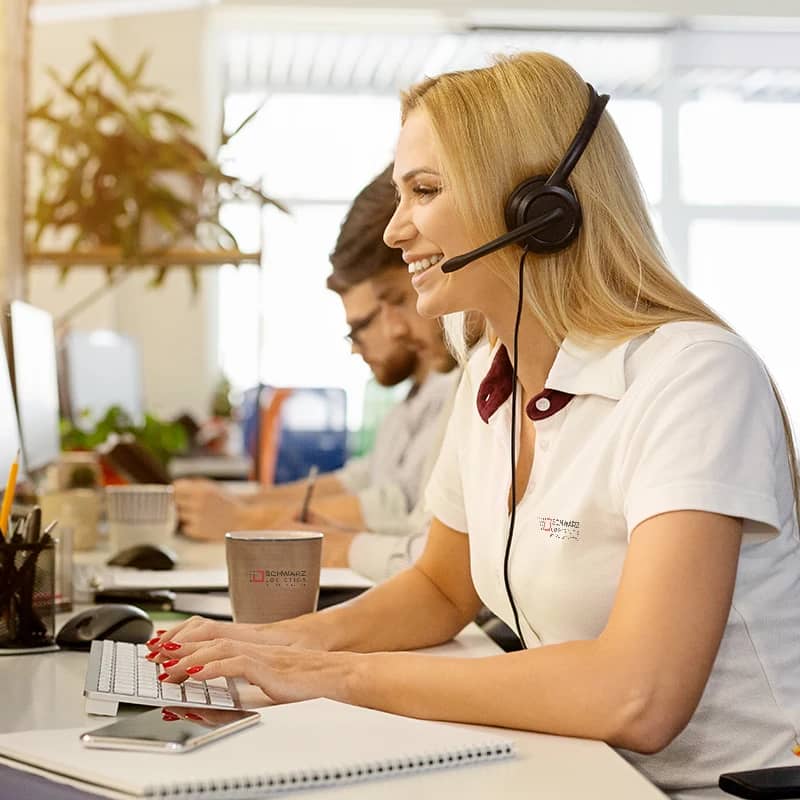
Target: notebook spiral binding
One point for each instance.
(259, 786)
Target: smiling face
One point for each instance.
(429, 230)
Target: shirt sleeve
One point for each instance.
(384, 508)
(711, 439)
(444, 495)
(355, 474)
(378, 557)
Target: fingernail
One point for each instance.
(151, 656)
(194, 670)
(163, 676)
(192, 715)
(153, 640)
(160, 631)
(171, 663)
(172, 646)
(168, 716)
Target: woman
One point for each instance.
(653, 466)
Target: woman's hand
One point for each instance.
(185, 637)
(284, 674)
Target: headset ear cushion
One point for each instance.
(532, 199)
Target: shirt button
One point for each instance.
(542, 404)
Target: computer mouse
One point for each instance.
(122, 623)
(145, 556)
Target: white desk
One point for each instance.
(45, 691)
(219, 467)
(200, 564)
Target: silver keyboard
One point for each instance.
(119, 672)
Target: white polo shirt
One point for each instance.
(682, 418)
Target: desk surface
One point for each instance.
(45, 691)
(221, 467)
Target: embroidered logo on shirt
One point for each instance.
(557, 528)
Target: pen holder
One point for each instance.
(27, 594)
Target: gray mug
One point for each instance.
(273, 575)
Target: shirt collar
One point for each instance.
(577, 370)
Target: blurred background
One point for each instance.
(299, 104)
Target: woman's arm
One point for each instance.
(635, 686)
(426, 604)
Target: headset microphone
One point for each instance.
(512, 237)
(543, 213)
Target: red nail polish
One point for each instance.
(152, 641)
(151, 656)
(168, 716)
(171, 663)
(192, 715)
(161, 630)
(172, 646)
(163, 676)
(194, 670)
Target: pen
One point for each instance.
(310, 481)
(33, 527)
(8, 497)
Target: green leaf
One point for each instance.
(139, 68)
(173, 116)
(157, 279)
(82, 70)
(243, 124)
(114, 68)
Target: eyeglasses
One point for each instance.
(358, 327)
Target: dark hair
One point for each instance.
(360, 252)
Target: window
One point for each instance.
(314, 152)
(735, 152)
(750, 273)
(711, 120)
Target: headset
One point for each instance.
(544, 216)
(543, 213)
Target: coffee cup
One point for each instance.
(273, 575)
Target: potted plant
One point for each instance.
(162, 439)
(120, 171)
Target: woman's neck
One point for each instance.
(537, 351)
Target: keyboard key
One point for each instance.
(171, 691)
(195, 695)
(223, 700)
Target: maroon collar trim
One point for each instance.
(496, 387)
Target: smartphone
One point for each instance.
(776, 783)
(171, 729)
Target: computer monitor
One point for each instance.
(34, 376)
(101, 369)
(9, 429)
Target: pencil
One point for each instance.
(310, 481)
(8, 497)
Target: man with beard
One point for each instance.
(370, 509)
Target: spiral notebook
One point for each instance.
(297, 746)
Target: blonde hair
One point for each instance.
(614, 282)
